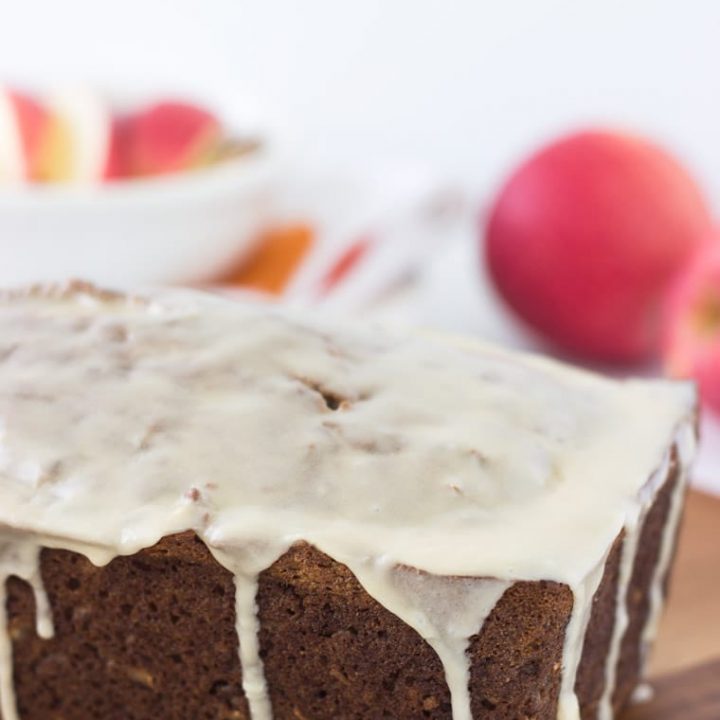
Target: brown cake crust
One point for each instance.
(345, 656)
(590, 682)
(147, 636)
(517, 657)
(153, 635)
(331, 651)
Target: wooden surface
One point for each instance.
(685, 672)
(692, 694)
(690, 629)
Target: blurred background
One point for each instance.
(463, 88)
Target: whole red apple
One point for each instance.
(585, 237)
(691, 333)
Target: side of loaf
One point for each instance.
(153, 635)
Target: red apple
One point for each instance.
(23, 125)
(172, 136)
(585, 237)
(691, 337)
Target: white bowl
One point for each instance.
(171, 229)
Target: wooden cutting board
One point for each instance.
(692, 694)
(690, 629)
(685, 673)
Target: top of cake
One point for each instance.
(125, 419)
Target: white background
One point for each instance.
(462, 86)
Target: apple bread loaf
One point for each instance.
(212, 510)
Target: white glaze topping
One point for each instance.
(125, 420)
(633, 529)
(686, 449)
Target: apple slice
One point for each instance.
(171, 136)
(23, 124)
(12, 161)
(79, 145)
(691, 337)
(117, 160)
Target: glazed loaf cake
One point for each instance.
(210, 510)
